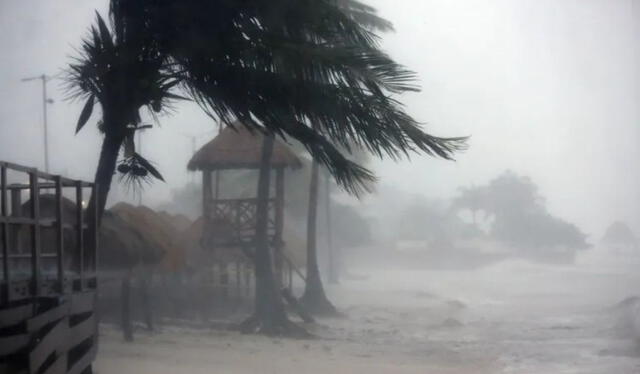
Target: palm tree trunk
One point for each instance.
(145, 297)
(127, 326)
(269, 316)
(314, 298)
(334, 260)
(104, 174)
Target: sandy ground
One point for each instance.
(513, 317)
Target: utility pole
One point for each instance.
(45, 100)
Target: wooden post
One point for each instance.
(217, 185)
(16, 202)
(95, 229)
(333, 258)
(247, 280)
(5, 228)
(127, 328)
(279, 229)
(290, 276)
(224, 280)
(146, 278)
(34, 191)
(238, 280)
(80, 231)
(59, 234)
(207, 207)
(12, 236)
(206, 193)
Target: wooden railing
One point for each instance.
(48, 283)
(232, 222)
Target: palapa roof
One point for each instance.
(121, 245)
(238, 148)
(157, 234)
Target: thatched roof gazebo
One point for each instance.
(229, 223)
(238, 148)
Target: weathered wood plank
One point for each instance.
(80, 233)
(19, 290)
(15, 315)
(54, 341)
(11, 369)
(59, 234)
(12, 344)
(47, 317)
(59, 366)
(4, 212)
(82, 331)
(82, 302)
(36, 268)
(84, 362)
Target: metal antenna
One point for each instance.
(45, 100)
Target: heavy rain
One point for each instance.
(313, 186)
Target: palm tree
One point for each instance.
(124, 72)
(274, 65)
(314, 298)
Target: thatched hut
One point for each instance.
(238, 148)
(228, 224)
(158, 234)
(121, 245)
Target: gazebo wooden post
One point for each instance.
(279, 222)
(216, 191)
(206, 194)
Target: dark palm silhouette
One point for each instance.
(276, 66)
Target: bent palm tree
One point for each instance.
(274, 65)
(314, 298)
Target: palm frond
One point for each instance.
(275, 65)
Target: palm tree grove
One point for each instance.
(312, 186)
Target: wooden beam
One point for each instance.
(80, 231)
(54, 341)
(206, 193)
(279, 226)
(82, 331)
(47, 317)
(15, 315)
(34, 193)
(59, 234)
(12, 344)
(4, 212)
(59, 366)
(82, 302)
(84, 362)
(94, 229)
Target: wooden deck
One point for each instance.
(47, 296)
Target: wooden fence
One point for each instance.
(48, 285)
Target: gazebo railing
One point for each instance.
(232, 222)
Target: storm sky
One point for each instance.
(546, 88)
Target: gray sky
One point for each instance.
(544, 87)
